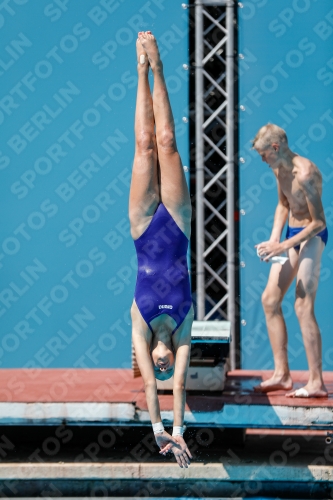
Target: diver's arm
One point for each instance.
(147, 372)
(179, 393)
(143, 358)
(181, 452)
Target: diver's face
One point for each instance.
(269, 155)
(163, 358)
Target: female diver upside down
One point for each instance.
(160, 216)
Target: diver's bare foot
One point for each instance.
(309, 391)
(143, 63)
(275, 383)
(150, 45)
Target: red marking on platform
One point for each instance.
(119, 386)
(69, 385)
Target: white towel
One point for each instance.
(280, 259)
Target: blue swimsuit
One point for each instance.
(291, 231)
(163, 284)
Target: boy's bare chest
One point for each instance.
(292, 190)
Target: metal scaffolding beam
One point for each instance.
(215, 153)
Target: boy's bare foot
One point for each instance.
(143, 63)
(309, 391)
(149, 43)
(275, 383)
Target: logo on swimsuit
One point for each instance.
(165, 307)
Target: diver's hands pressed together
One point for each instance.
(165, 442)
(178, 447)
(181, 452)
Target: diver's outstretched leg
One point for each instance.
(173, 187)
(144, 192)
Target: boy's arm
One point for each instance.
(281, 214)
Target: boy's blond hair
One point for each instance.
(268, 134)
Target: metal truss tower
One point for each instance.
(215, 154)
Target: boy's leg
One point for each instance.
(279, 280)
(144, 192)
(306, 288)
(174, 190)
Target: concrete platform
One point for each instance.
(234, 472)
(101, 397)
